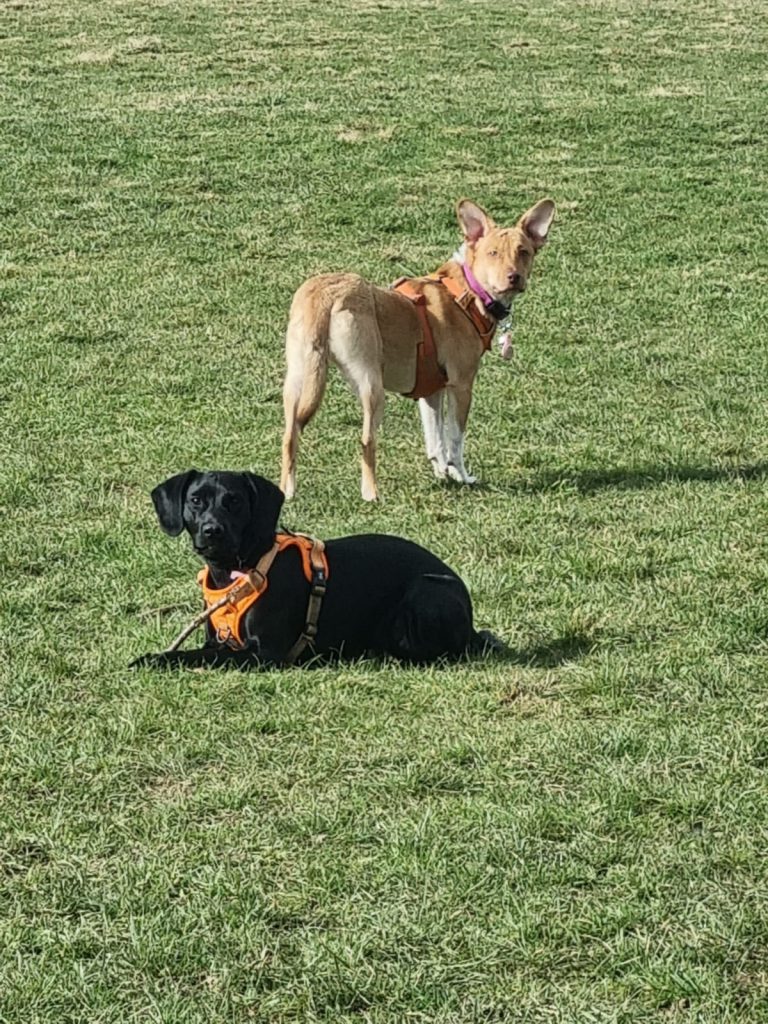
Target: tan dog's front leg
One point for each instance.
(372, 400)
(457, 403)
(431, 410)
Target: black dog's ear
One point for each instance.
(168, 499)
(266, 500)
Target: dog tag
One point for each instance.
(506, 347)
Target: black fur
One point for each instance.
(385, 596)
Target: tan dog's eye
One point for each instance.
(493, 252)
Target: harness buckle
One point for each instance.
(466, 300)
(318, 584)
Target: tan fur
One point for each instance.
(372, 334)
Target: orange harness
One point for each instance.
(430, 376)
(229, 604)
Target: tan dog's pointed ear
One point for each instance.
(537, 221)
(473, 220)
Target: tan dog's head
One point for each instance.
(502, 258)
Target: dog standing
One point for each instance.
(424, 341)
(380, 595)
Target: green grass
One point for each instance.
(578, 835)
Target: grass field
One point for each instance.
(577, 835)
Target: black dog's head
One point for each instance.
(231, 517)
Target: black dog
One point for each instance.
(385, 595)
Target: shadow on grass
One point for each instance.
(545, 655)
(589, 481)
(554, 652)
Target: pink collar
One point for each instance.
(492, 306)
(476, 287)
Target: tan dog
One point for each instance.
(426, 344)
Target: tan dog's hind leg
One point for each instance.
(356, 346)
(431, 410)
(372, 401)
(457, 403)
(307, 359)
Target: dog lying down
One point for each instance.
(370, 594)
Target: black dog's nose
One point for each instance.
(211, 530)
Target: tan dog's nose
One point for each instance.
(514, 279)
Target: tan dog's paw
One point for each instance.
(461, 476)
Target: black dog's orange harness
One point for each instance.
(226, 607)
(430, 377)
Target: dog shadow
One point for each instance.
(591, 481)
(553, 653)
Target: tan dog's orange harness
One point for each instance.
(226, 607)
(430, 377)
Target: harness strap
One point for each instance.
(429, 376)
(317, 589)
(466, 300)
(252, 585)
(253, 581)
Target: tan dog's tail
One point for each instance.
(306, 353)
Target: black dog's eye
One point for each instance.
(232, 501)
(195, 501)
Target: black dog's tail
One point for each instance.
(485, 643)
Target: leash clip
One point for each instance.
(498, 310)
